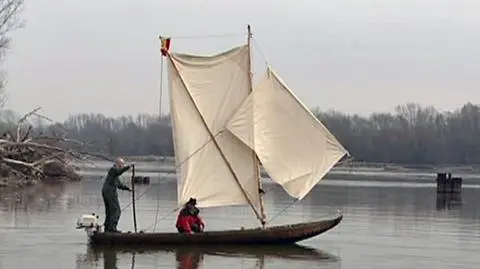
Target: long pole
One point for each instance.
(256, 162)
(133, 199)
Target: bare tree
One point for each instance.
(9, 21)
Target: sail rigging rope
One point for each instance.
(291, 204)
(208, 36)
(160, 120)
(176, 167)
(161, 90)
(255, 43)
(157, 209)
(162, 218)
(283, 210)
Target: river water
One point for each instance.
(394, 225)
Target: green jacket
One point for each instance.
(112, 182)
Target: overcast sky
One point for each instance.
(354, 56)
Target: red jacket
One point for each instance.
(184, 222)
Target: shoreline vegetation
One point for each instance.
(413, 134)
(414, 140)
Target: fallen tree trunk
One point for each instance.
(26, 158)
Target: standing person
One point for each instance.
(110, 195)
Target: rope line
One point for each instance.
(162, 218)
(208, 36)
(282, 211)
(159, 119)
(338, 211)
(257, 46)
(157, 209)
(161, 90)
(175, 168)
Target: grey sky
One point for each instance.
(355, 56)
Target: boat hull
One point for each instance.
(285, 234)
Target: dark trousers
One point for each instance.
(195, 228)
(112, 210)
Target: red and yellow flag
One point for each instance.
(165, 45)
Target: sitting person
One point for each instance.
(188, 220)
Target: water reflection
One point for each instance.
(382, 226)
(188, 259)
(40, 198)
(449, 201)
(192, 257)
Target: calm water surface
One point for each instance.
(384, 226)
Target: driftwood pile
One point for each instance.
(26, 158)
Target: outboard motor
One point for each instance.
(89, 223)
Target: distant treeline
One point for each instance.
(414, 134)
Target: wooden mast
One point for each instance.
(256, 162)
(213, 137)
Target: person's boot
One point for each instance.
(114, 230)
(108, 229)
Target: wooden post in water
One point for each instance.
(141, 180)
(448, 184)
(441, 182)
(449, 190)
(456, 184)
(133, 199)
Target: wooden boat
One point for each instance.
(287, 234)
(223, 129)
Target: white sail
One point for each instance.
(294, 147)
(213, 87)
